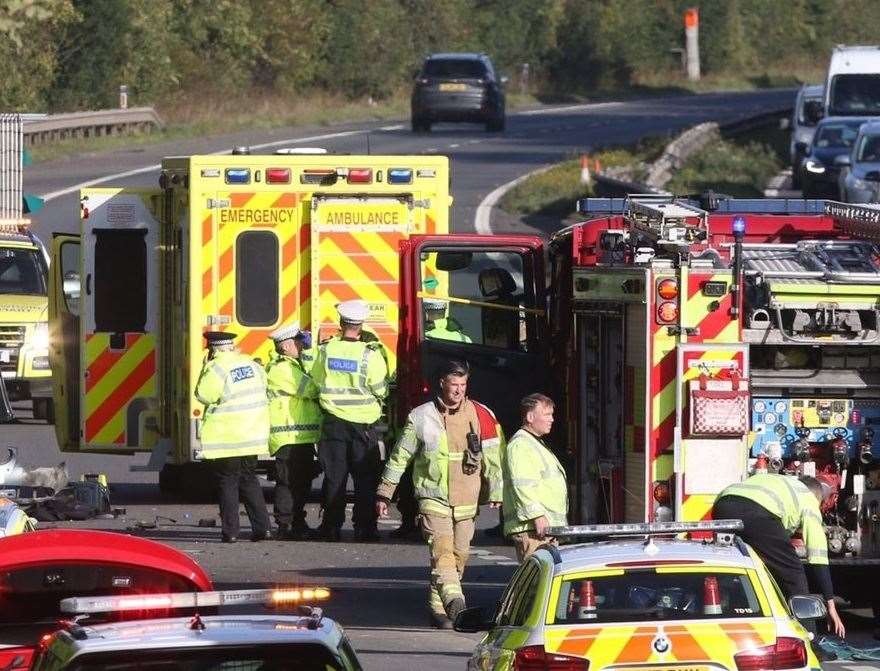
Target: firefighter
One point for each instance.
(234, 430)
(535, 491)
(351, 376)
(454, 444)
(295, 426)
(440, 327)
(773, 507)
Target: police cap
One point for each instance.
(353, 311)
(434, 304)
(287, 332)
(218, 338)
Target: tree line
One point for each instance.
(64, 55)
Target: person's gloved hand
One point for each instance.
(306, 338)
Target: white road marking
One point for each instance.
(483, 216)
(151, 168)
(569, 108)
(454, 145)
(395, 127)
(474, 141)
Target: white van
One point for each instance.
(852, 87)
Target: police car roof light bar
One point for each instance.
(233, 597)
(642, 529)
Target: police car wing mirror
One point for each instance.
(807, 607)
(451, 261)
(473, 620)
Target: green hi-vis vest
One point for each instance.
(352, 379)
(790, 500)
(534, 484)
(446, 329)
(294, 412)
(424, 441)
(236, 420)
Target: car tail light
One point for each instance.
(667, 312)
(535, 658)
(667, 289)
(786, 653)
(360, 175)
(277, 175)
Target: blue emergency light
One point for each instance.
(739, 225)
(238, 175)
(400, 176)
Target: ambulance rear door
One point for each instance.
(119, 319)
(64, 338)
(355, 254)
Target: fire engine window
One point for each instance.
(22, 272)
(120, 281)
(474, 297)
(256, 278)
(647, 595)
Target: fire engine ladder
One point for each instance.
(825, 286)
(10, 167)
(666, 219)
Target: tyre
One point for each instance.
(420, 125)
(496, 125)
(795, 179)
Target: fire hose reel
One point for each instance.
(719, 406)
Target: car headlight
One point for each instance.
(814, 166)
(41, 336)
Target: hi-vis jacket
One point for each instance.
(793, 503)
(352, 379)
(446, 329)
(294, 413)
(425, 441)
(236, 421)
(534, 484)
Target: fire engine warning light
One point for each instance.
(739, 225)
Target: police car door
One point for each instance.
(492, 290)
(119, 318)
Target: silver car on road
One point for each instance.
(859, 178)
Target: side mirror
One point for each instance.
(784, 123)
(472, 620)
(842, 161)
(813, 111)
(807, 607)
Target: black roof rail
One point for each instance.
(718, 205)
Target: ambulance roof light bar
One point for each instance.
(643, 529)
(17, 226)
(235, 597)
(857, 219)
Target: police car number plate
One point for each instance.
(449, 86)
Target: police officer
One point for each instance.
(440, 327)
(351, 376)
(773, 507)
(295, 420)
(535, 492)
(454, 444)
(234, 430)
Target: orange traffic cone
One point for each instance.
(711, 596)
(597, 165)
(587, 601)
(586, 178)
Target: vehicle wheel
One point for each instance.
(170, 479)
(795, 179)
(421, 126)
(496, 125)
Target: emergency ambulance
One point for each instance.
(24, 330)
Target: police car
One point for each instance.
(644, 603)
(306, 641)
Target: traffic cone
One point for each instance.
(597, 165)
(711, 596)
(587, 601)
(586, 178)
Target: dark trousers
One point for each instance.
(237, 477)
(406, 498)
(765, 533)
(294, 472)
(348, 447)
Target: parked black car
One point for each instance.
(458, 87)
(834, 137)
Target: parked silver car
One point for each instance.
(859, 178)
(807, 112)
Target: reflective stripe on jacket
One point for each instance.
(424, 440)
(351, 377)
(534, 484)
(236, 420)
(294, 413)
(790, 500)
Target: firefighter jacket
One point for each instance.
(352, 379)
(439, 480)
(294, 413)
(534, 484)
(236, 420)
(446, 329)
(790, 500)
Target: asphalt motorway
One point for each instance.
(379, 589)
